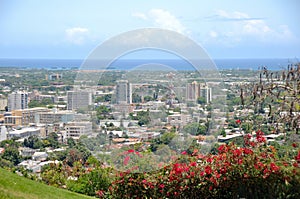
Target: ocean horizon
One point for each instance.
(127, 64)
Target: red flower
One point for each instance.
(297, 158)
(208, 170)
(223, 170)
(294, 145)
(213, 180)
(223, 148)
(238, 121)
(130, 151)
(161, 186)
(248, 151)
(240, 161)
(202, 173)
(274, 167)
(183, 153)
(100, 193)
(126, 160)
(193, 164)
(192, 174)
(237, 152)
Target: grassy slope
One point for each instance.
(13, 186)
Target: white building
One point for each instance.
(76, 129)
(123, 92)
(17, 100)
(195, 90)
(25, 132)
(78, 99)
(55, 117)
(3, 133)
(3, 103)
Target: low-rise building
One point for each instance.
(76, 129)
(24, 133)
(55, 117)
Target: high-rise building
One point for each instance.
(192, 91)
(123, 92)
(195, 90)
(17, 100)
(205, 92)
(78, 99)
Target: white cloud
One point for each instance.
(139, 15)
(163, 19)
(76, 35)
(213, 34)
(236, 27)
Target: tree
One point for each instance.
(195, 129)
(201, 100)
(12, 154)
(53, 140)
(102, 112)
(148, 98)
(71, 143)
(177, 109)
(136, 98)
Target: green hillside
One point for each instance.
(13, 186)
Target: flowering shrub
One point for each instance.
(252, 171)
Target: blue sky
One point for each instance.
(226, 29)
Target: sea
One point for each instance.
(127, 64)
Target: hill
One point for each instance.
(13, 186)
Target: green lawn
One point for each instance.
(13, 186)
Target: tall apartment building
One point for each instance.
(205, 92)
(78, 99)
(123, 92)
(192, 91)
(195, 90)
(17, 100)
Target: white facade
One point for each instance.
(195, 90)
(78, 99)
(124, 92)
(17, 100)
(3, 133)
(76, 129)
(3, 104)
(25, 132)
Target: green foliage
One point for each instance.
(13, 186)
(177, 109)
(12, 155)
(102, 112)
(104, 98)
(233, 172)
(143, 117)
(33, 142)
(195, 129)
(53, 140)
(148, 98)
(43, 103)
(136, 98)
(201, 100)
(91, 182)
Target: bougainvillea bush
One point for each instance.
(251, 171)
